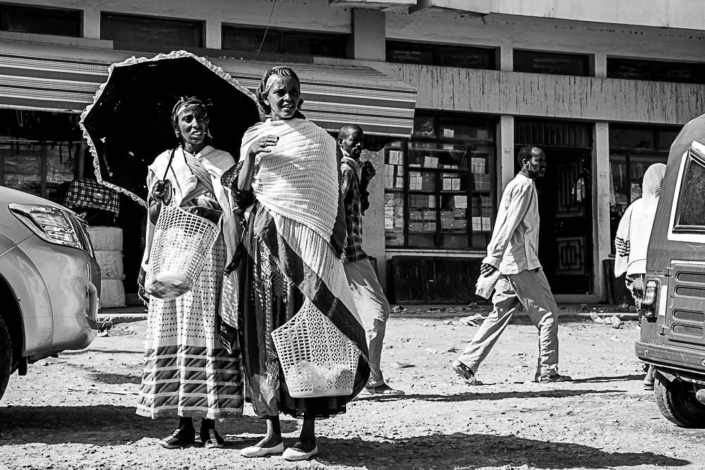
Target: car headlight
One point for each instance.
(648, 305)
(53, 225)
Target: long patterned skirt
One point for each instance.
(268, 299)
(187, 372)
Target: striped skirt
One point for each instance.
(187, 372)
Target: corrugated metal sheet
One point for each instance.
(65, 79)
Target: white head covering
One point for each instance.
(632, 240)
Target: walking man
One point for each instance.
(370, 302)
(513, 250)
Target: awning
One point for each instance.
(45, 77)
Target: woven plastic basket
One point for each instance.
(179, 248)
(318, 360)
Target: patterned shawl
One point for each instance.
(298, 182)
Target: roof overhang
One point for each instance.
(65, 79)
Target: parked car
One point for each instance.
(673, 321)
(49, 282)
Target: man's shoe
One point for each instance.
(211, 439)
(179, 439)
(465, 373)
(257, 451)
(549, 379)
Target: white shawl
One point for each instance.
(299, 179)
(634, 232)
(184, 182)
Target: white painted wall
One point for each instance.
(552, 96)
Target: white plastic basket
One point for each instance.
(317, 358)
(179, 249)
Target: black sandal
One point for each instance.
(465, 373)
(179, 439)
(211, 439)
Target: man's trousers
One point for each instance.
(530, 289)
(373, 308)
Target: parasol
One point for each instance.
(129, 122)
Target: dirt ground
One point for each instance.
(77, 411)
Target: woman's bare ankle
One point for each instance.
(269, 441)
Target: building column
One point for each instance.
(369, 30)
(505, 148)
(601, 203)
(214, 36)
(91, 23)
(505, 58)
(598, 65)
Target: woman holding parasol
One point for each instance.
(188, 372)
(287, 186)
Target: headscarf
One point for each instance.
(268, 79)
(185, 102)
(632, 240)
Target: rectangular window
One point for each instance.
(551, 63)
(283, 41)
(39, 152)
(441, 55)
(35, 20)
(149, 30)
(632, 150)
(438, 186)
(690, 210)
(655, 70)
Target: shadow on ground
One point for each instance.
(117, 425)
(103, 425)
(616, 378)
(491, 395)
(462, 450)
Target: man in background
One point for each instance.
(370, 301)
(513, 250)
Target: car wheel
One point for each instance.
(5, 356)
(677, 402)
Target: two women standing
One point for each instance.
(285, 189)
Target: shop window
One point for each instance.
(551, 63)
(655, 70)
(440, 54)
(283, 41)
(40, 152)
(35, 20)
(632, 151)
(438, 186)
(136, 30)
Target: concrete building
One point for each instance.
(602, 86)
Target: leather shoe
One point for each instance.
(257, 451)
(294, 454)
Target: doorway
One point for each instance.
(565, 203)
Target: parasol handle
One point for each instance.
(171, 158)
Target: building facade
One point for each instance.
(603, 88)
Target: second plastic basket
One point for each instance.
(317, 358)
(180, 245)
